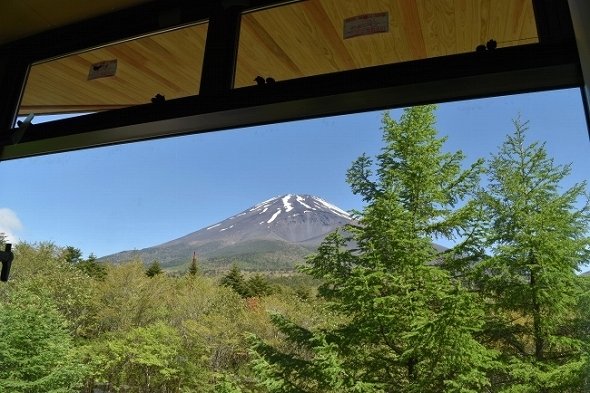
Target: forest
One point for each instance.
(376, 309)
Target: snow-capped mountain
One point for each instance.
(282, 229)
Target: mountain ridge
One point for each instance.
(275, 233)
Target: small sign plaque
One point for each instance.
(366, 24)
(102, 69)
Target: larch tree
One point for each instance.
(537, 238)
(409, 324)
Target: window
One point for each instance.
(118, 75)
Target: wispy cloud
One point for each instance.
(10, 224)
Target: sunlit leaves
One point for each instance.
(37, 353)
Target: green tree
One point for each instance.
(42, 269)
(582, 332)
(144, 359)
(154, 269)
(193, 269)
(409, 325)
(257, 286)
(235, 280)
(92, 268)
(36, 350)
(537, 239)
(72, 254)
(127, 297)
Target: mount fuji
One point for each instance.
(271, 235)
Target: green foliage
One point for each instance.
(315, 365)
(193, 269)
(154, 269)
(36, 350)
(72, 254)
(255, 286)
(235, 280)
(409, 327)
(92, 268)
(142, 359)
(127, 331)
(538, 240)
(128, 298)
(42, 269)
(503, 311)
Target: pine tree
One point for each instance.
(410, 325)
(92, 267)
(538, 240)
(72, 254)
(235, 280)
(193, 270)
(257, 286)
(154, 269)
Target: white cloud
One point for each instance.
(10, 224)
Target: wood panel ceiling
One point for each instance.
(306, 38)
(23, 18)
(287, 42)
(168, 64)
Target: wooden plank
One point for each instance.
(438, 27)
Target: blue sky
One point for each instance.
(138, 195)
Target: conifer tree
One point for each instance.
(193, 269)
(537, 239)
(235, 280)
(257, 286)
(92, 267)
(154, 269)
(72, 255)
(409, 325)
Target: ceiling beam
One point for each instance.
(221, 51)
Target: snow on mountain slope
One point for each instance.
(291, 218)
(300, 221)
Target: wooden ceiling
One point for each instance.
(307, 38)
(23, 18)
(292, 41)
(168, 64)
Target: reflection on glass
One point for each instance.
(118, 75)
(321, 36)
